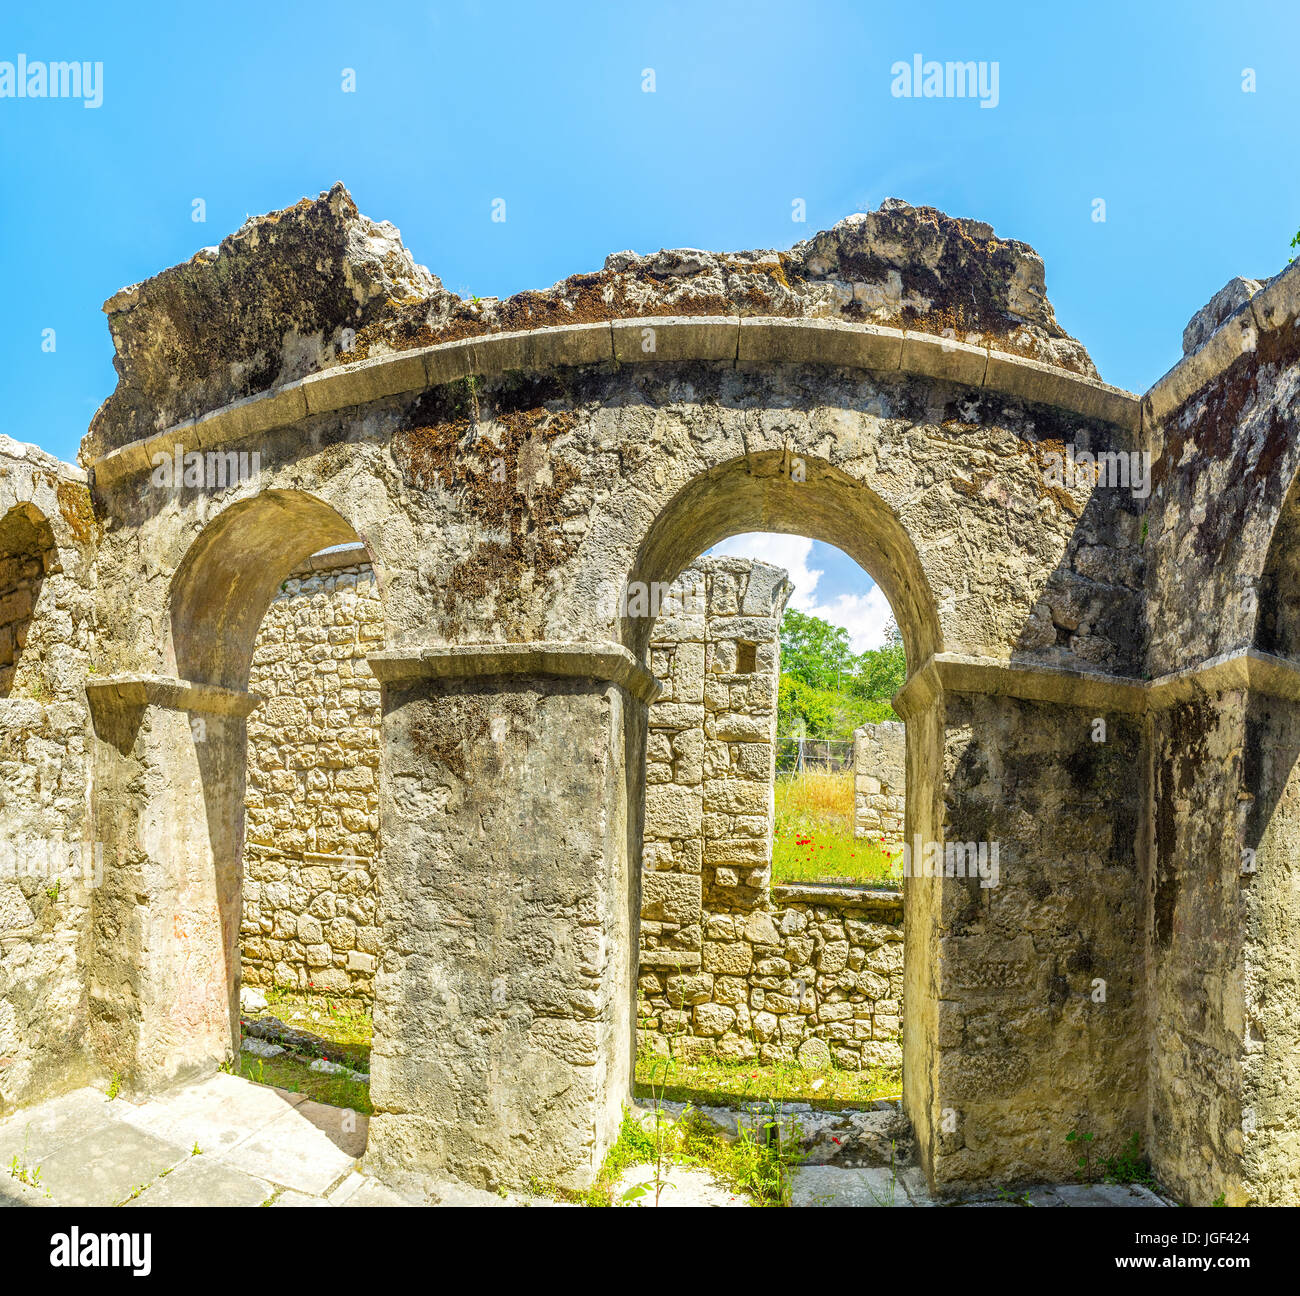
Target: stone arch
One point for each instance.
(1277, 617)
(174, 747)
(226, 580)
(759, 492)
(27, 553)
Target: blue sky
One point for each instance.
(755, 105)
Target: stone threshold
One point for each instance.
(742, 341)
(838, 897)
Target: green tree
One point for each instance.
(827, 691)
(814, 651)
(881, 671)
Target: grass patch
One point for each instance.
(347, 1031)
(813, 839)
(757, 1165)
(294, 1073)
(711, 1082)
(347, 1028)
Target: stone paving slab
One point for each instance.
(205, 1181)
(37, 1132)
(347, 1129)
(295, 1153)
(105, 1166)
(373, 1193)
(1094, 1195)
(216, 1113)
(873, 1186)
(683, 1186)
(291, 1198)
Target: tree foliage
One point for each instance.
(827, 690)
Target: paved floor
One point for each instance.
(225, 1141)
(220, 1142)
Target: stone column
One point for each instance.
(510, 843)
(1023, 1016)
(168, 810)
(880, 782)
(1223, 913)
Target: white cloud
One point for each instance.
(864, 616)
(788, 551)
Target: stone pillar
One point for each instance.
(509, 851)
(880, 782)
(1023, 1017)
(168, 810)
(1223, 913)
(1267, 869)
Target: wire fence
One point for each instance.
(826, 754)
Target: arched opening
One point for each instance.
(772, 491)
(266, 600)
(800, 985)
(309, 934)
(27, 554)
(1277, 623)
(225, 584)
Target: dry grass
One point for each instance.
(708, 1081)
(814, 839)
(816, 797)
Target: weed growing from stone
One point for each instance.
(28, 1175)
(758, 1163)
(1129, 1166)
(661, 1136)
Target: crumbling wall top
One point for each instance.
(320, 285)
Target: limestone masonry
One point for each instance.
(1103, 682)
(310, 903)
(880, 782)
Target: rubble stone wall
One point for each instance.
(880, 781)
(49, 864)
(310, 901)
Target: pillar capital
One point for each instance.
(607, 662)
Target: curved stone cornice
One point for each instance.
(746, 343)
(1245, 669)
(1270, 309)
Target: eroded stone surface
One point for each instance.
(1131, 970)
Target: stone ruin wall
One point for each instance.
(880, 782)
(727, 967)
(48, 865)
(1122, 860)
(724, 969)
(310, 903)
